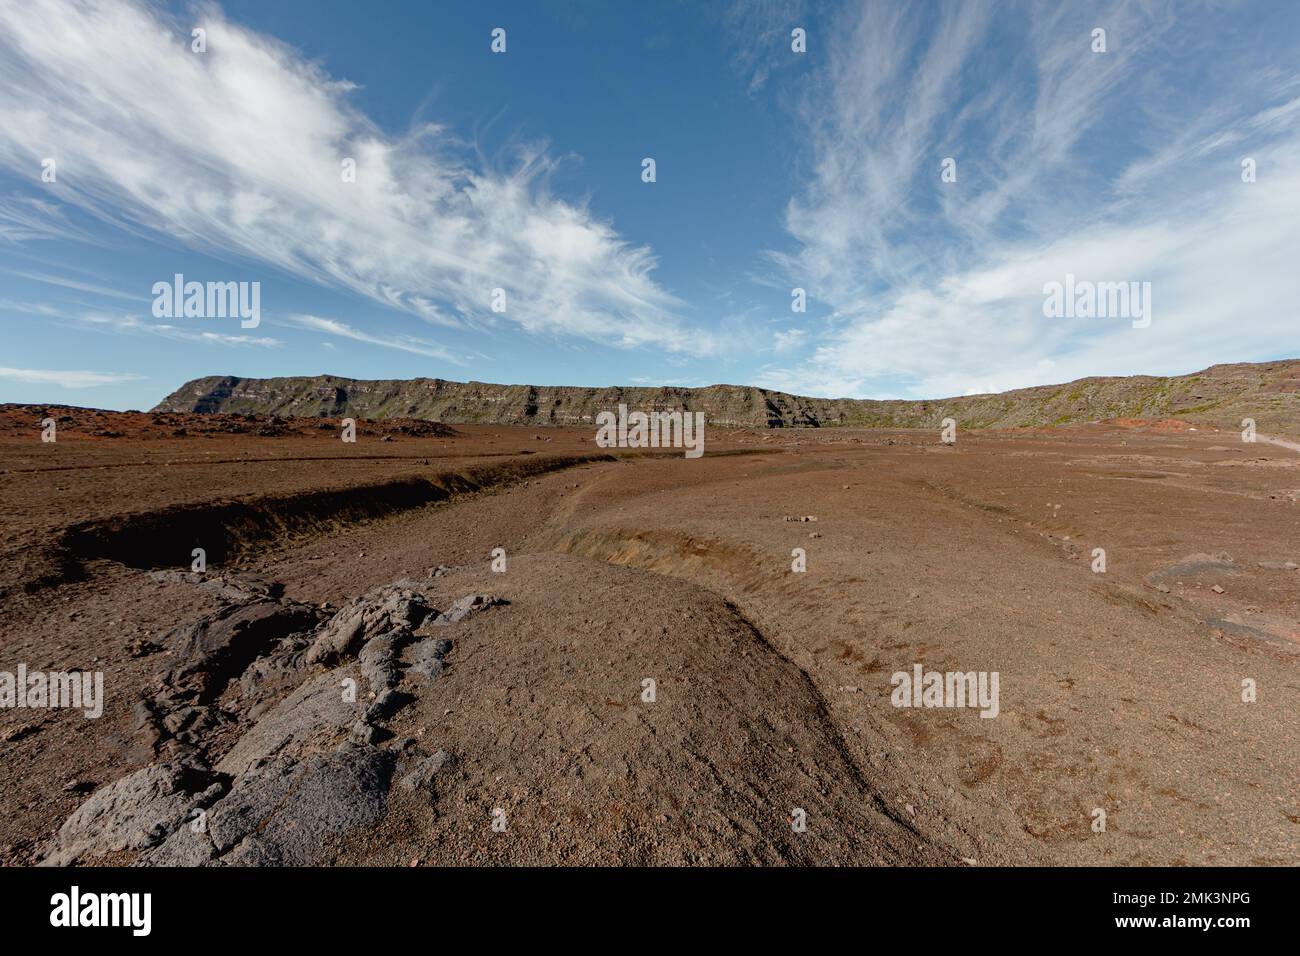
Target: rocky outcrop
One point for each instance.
(305, 695)
(395, 607)
(135, 813)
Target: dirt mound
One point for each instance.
(546, 708)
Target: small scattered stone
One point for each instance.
(464, 607)
(363, 732)
(18, 733)
(142, 648)
(422, 777)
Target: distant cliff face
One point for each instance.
(1221, 395)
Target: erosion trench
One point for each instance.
(235, 529)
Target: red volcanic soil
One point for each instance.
(1150, 424)
(1121, 689)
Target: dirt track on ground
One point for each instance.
(1120, 691)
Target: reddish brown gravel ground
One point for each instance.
(1120, 691)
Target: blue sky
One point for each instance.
(522, 171)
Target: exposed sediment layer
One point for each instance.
(1268, 393)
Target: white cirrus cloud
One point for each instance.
(760, 34)
(1116, 166)
(402, 343)
(76, 285)
(66, 378)
(788, 340)
(130, 325)
(238, 151)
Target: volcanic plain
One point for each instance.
(481, 644)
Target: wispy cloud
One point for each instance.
(244, 154)
(761, 33)
(130, 325)
(67, 379)
(77, 285)
(1115, 166)
(403, 343)
(787, 340)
